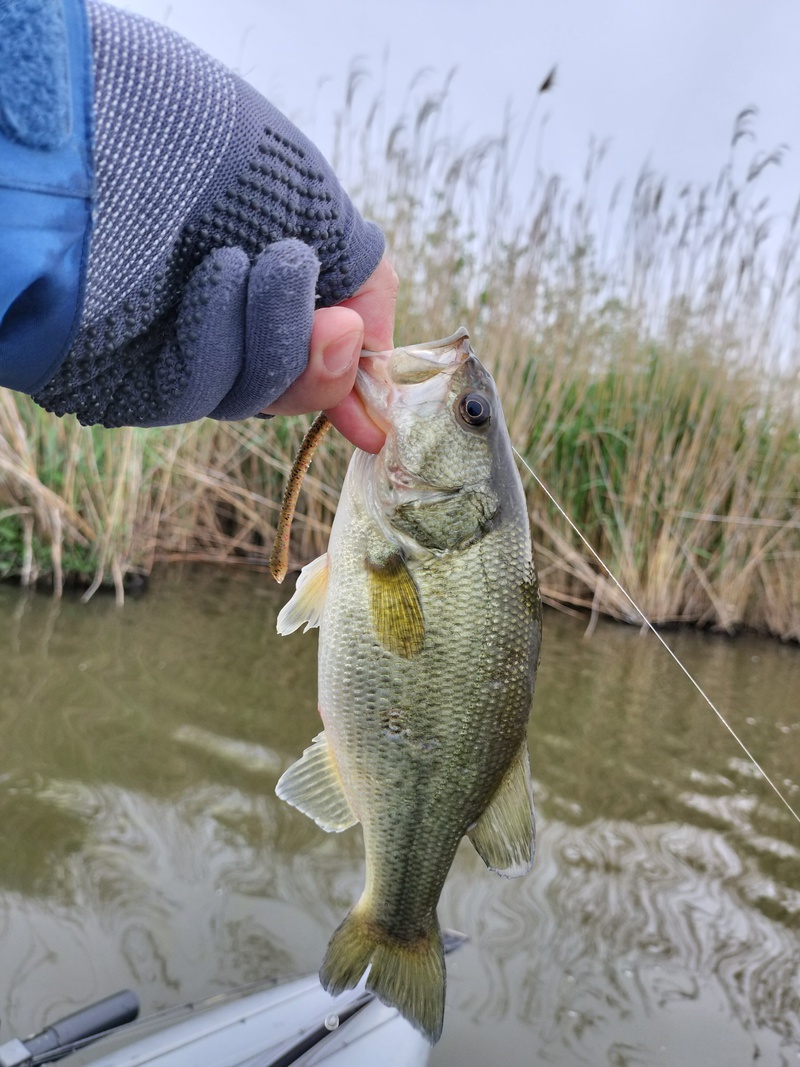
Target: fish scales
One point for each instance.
(430, 623)
(417, 726)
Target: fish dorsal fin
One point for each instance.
(395, 606)
(505, 835)
(309, 597)
(313, 786)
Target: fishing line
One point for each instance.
(655, 632)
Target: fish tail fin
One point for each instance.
(409, 976)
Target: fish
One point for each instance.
(429, 615)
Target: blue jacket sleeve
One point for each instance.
(45, 184)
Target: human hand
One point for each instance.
(204, 272)
(339, 333)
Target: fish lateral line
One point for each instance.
(658, 637)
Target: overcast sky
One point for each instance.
(663, 81)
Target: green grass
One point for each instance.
(647, 353)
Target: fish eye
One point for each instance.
(474, 409)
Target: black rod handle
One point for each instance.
(106, 1014)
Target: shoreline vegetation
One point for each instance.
(646, 346)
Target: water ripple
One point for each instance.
(620, 923)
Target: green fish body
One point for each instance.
(430, 625)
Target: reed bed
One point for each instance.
(645, 344)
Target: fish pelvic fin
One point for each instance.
(409, 976)
(395, 607)
(313, 786)
(309, 597)
(505, 835)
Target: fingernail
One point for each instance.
(339, 356)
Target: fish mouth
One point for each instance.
(383, 375)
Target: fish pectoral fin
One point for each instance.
(395, 606)
(505, 835)
(309, 597)
(313, 786)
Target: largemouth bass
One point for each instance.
(429, 615)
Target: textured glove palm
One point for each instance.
(218, 229)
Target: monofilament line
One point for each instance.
(658, 636)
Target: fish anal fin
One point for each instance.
(313, 786)
(309, 597)
(505, 835)
(395, 606)
(407, 975)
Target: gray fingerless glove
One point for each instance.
(218, 229)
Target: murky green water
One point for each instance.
(141, 844)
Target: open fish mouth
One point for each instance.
(384, 376)
(410, 360)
